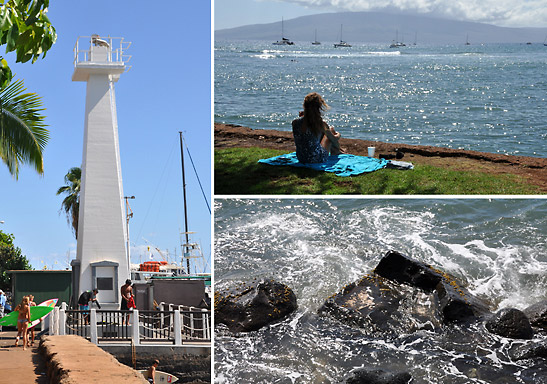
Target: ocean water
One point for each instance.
(490, 98)
(316, 246)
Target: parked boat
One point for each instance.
(342, 43)
(396, 43)
(191, 251)
(315, 42)
(283, 41)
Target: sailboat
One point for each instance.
(342, 43)
(396, 43)
(467, 40)
(545, 41)
(283, 41)
(191, 251)
(315, 42)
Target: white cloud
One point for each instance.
(524, 13)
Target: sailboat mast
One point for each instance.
(185, 252)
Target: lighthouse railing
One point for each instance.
(114, 47)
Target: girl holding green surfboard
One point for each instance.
(22, 321)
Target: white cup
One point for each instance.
(371, 151)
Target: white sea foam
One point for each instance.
(317, 247)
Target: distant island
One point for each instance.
(381, 27)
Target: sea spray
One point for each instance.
(316, 247)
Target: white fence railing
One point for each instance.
(108, 49)
(173, 326)
(194, 320)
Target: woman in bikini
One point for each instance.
(22, 321)
(314, 139)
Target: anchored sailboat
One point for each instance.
(283, 41)
(396, 43)
(315, 42)
(342, 43)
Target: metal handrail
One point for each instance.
(161, 328)
(77, 323)
(195, 322)
(196, 325)
(113, 325)
(115, 55)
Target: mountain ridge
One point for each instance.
(381, 27)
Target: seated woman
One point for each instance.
(314, 139)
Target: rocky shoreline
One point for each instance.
(401, 296)
(534, 169)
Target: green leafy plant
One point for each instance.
(25, 29)
(11, 258)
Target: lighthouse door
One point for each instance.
(105, 279)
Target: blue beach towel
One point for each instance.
(340, 165)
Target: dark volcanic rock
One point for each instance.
(249, 307)
(402, 269)
(364, 376)
(537, 314)
(379, 305)
(510, 322)
(530, 351)
(404, 296)
(456, 303)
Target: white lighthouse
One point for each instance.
(102, 259)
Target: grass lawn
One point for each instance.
(237, 171)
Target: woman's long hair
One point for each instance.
(24, 301)
(314, 105)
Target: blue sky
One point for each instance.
(167, 90)
(507, 13)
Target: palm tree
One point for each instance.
(23, 135)
(71, 203)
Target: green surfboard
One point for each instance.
(10, 320)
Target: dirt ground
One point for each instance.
(20, 366)
(533, 169)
